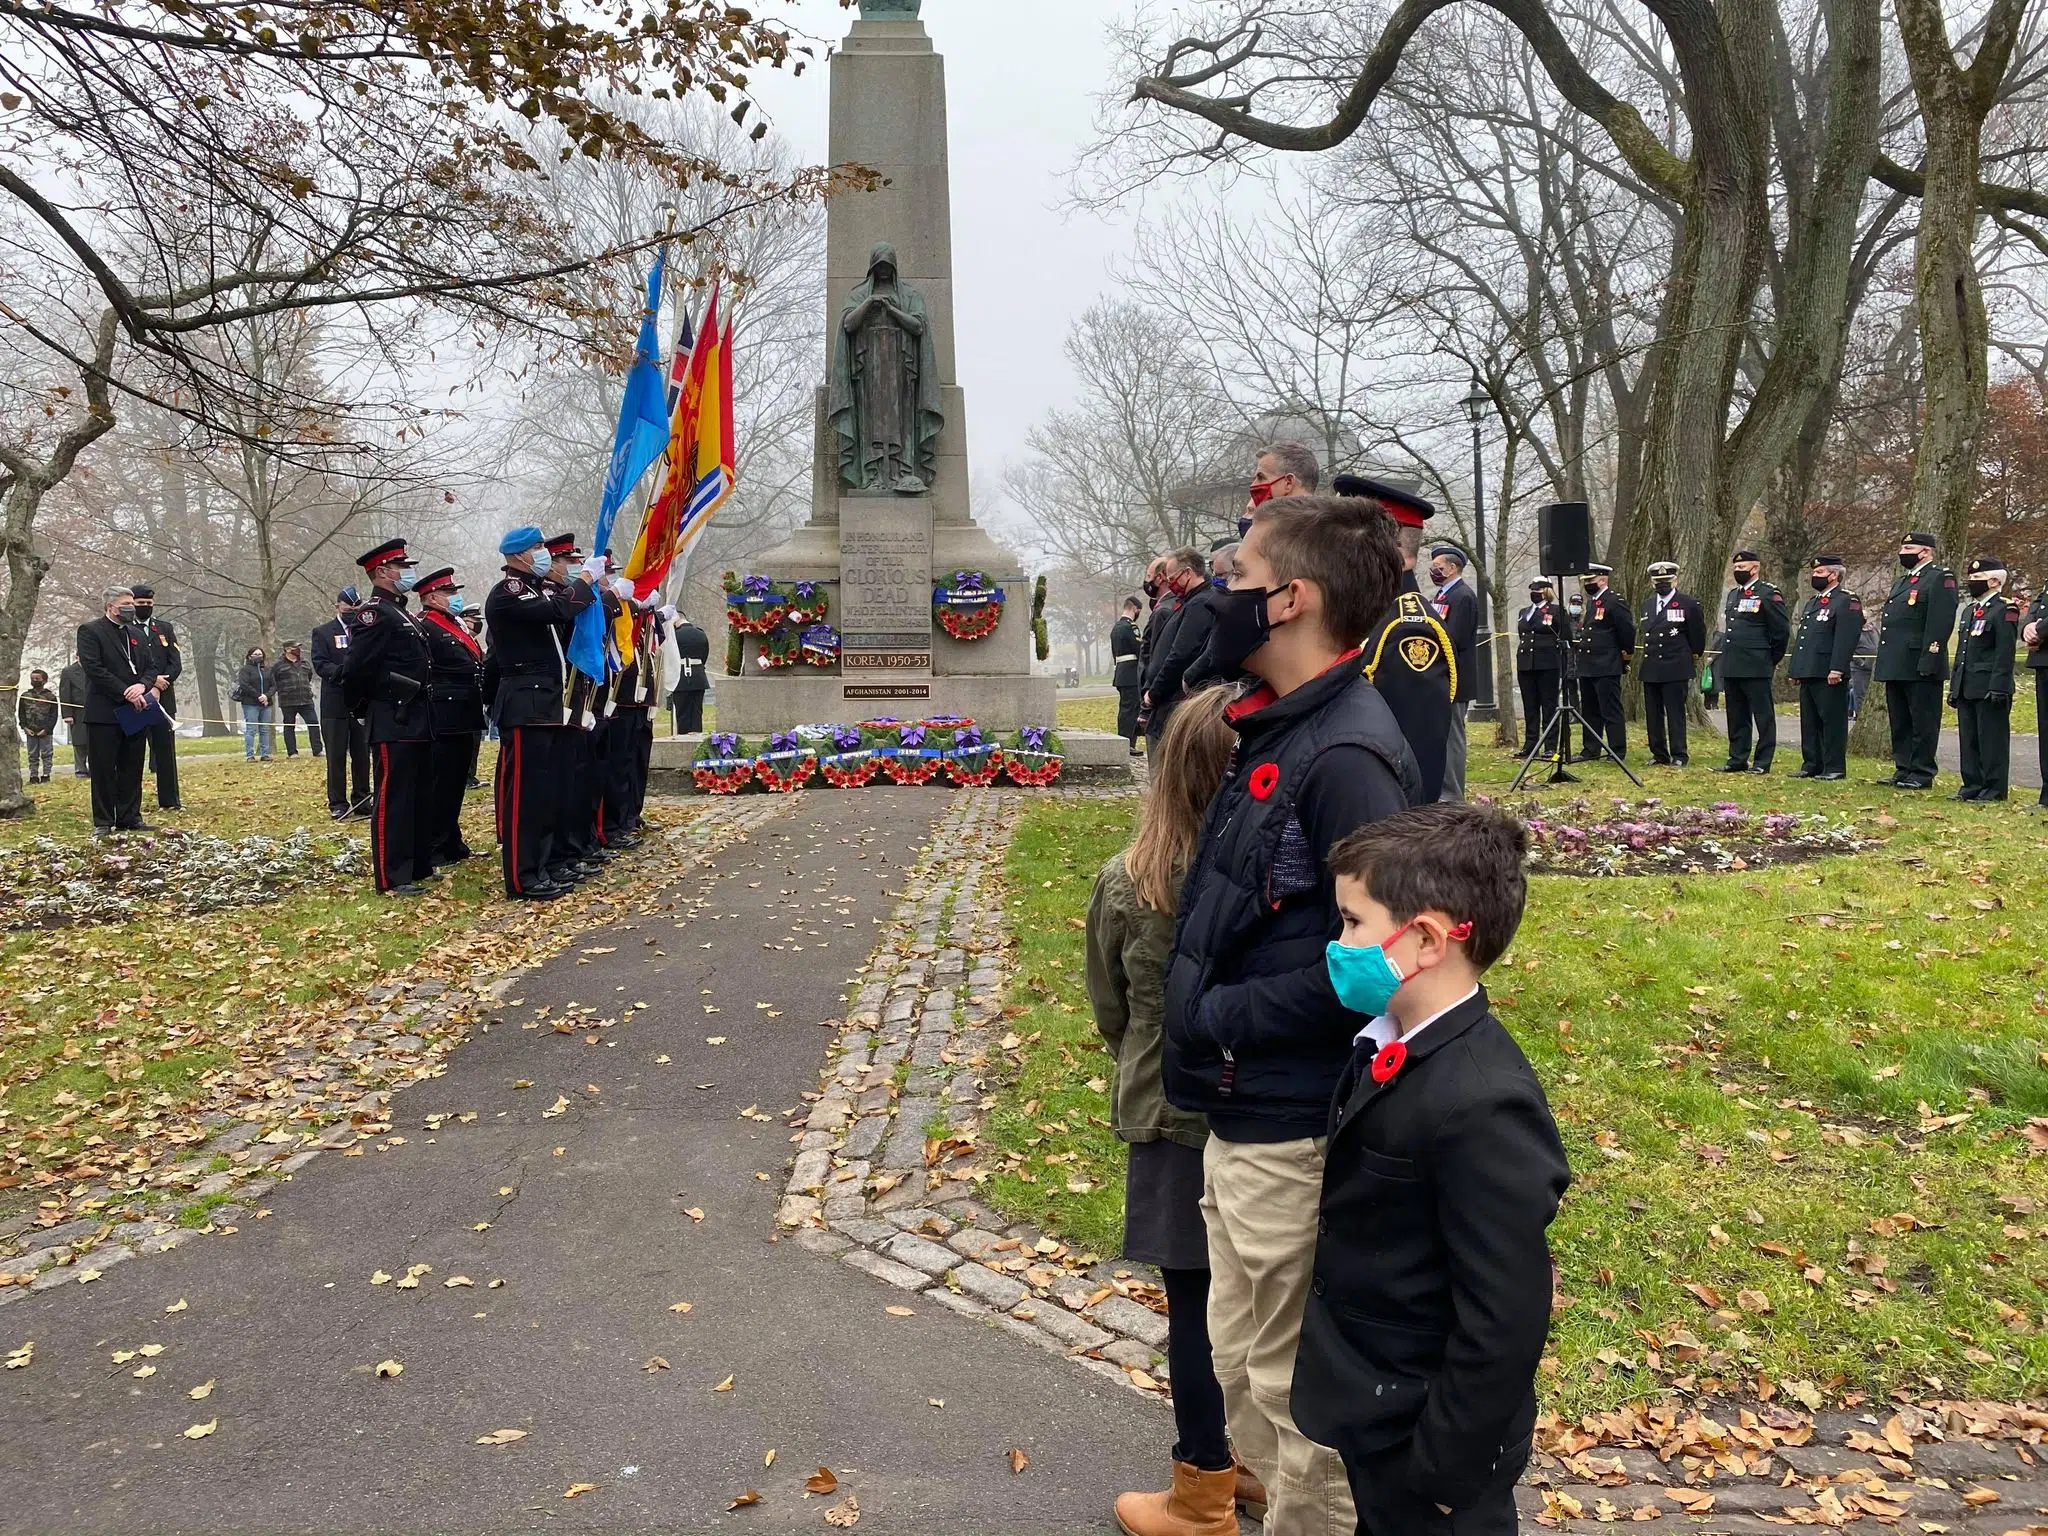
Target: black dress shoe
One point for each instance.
(408, 889)
(1990, 794)
(1831, 776)
(1754, 768)
(621, 841)
(1729, 768)
(1964, 794)
(1889, 781)
(1660, 762)
(1681, 762)
(547, 892)
(1911, 784)
(1803, 773)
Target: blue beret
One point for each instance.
(520, 540)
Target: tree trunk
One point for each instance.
(205, 658)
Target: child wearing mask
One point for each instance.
(1443, 1169)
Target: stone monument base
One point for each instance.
(754, 706)
(1096, 759)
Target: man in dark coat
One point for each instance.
(455, 687)
(1823, 657)
(347, 740)
(1457, 609)
(120, 679)
(1124, 673)
(1755, 629)
(577, 851)
(1185, 607)
(1543, 633)
(71, 690)
(385, 677)
(526, 616)
(1674, 637)
(2034, 635)
(693, 677)
(1408, 655)
(1980, 691)
(1603, 642)
(169, 663)
(1912, 659)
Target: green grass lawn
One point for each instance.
(1797, 1098)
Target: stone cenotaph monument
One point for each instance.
(889, 503)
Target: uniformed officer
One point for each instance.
(693, 678)
(1755, 629)
(629, 743)
(1457, 609)
(2034, 635)
(1980, 691)
(456, 690)
(170, 666)
(577, 854)
(1674, 638)
(1543, 631)
(1129, 681)
(525, 617)
(1602, 644)
(1912, 659)
(385, 678)
(1823, 657)
(1408, 655)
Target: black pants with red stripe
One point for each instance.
(401, 822)
(579, 781)
(527, 790)
(628, 741)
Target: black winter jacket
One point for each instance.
(1256, 1038)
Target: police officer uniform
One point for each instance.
(162, 641)
(1755, 629)
(1125, 674)
(527, 618)
(1980, 690)
(1602, 642)
(1912, 660)
(693, 678)
(629, 743)
(2037, 663)
(581, 779)
(386, 680)
(1456, 607)
(1823, 658)
(1543, 631)
(1408, 655)
(1674, 637)
(456, 689)
(348, 744)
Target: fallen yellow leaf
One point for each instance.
(176, 1306)
(577, 1490)
(203, 1390)
(724, 1386)
(388, 1368)
(746, 1500)
(899, 1311)
(682, 1306)
(655, 1363)
(201, 1431)
(501, 1437)
(1018, 1461)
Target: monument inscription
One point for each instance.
(885, 585)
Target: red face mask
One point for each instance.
(1261, 492)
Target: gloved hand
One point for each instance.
(622, 589)
(668, 613)
(591, 569)
(1954, 699)
(1999, 698)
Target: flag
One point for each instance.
(701, 456)
(637, 442)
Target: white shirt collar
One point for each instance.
(1383, 1031)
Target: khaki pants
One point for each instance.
(1259, 1199)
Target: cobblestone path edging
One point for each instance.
(885, 1176)
(332, 1094)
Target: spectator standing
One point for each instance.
(293, 678)
(169, 663)
(347, 738)
(1184, 665)
(71, 691)
(116, 659)
(1457, 609)
(1432, 1295)
(37, 712)
(252, 692)
(1124, 671)
(1130, 935)
(1256, 1039)
(693, 677)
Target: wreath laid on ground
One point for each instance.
(945, 722)
(968, 608)
(779, 650)
(805, 602)
(785, 763)
(972, 760)
(818, 646)
(753, 606)
(847, 758)
(916, 758)
(1033, 756)
(884, 724)
(723, 764)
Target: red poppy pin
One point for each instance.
(1391, 1058)
(1264, 780)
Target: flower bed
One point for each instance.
(1648, 837)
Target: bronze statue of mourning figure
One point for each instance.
(884, 400)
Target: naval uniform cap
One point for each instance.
(390, 552)
(1663, 568)
(1599, 570)
(518, 541)
(1404, 507)
(442, 580)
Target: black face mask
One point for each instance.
(1542, 596)
(1908, 562)
(1242, 624)
(1151, 588)
(1663, 585)
(144, 610)
(1744, 578)
(1979, 587)
(1822, 583)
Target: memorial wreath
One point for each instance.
(972, 760)
(819, 646)
(785, 763)
(1033, 756)
(968, 608)
(722, 765)
(914, 759)
(753, 606)
(847, 758)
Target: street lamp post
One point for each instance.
(1483, 704)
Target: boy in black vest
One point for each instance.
(1256, 1039)
(1431, 1297)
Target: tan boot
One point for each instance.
(1199, 1504)
(1251, 1493)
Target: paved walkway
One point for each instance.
(585, 1167)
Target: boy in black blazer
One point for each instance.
(1431, 1298)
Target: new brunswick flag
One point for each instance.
(699, 474)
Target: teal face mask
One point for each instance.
(1365, 977)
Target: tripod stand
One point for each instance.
(1557, 730)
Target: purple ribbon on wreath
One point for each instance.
(723, 744)
(755, 589)
(913, 736)
(968, 740)
(845, 738)
(1033, 737)
(784, 741)
(806, 593)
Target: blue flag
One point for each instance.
(640, 439)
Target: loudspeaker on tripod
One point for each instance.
(1564, 538)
